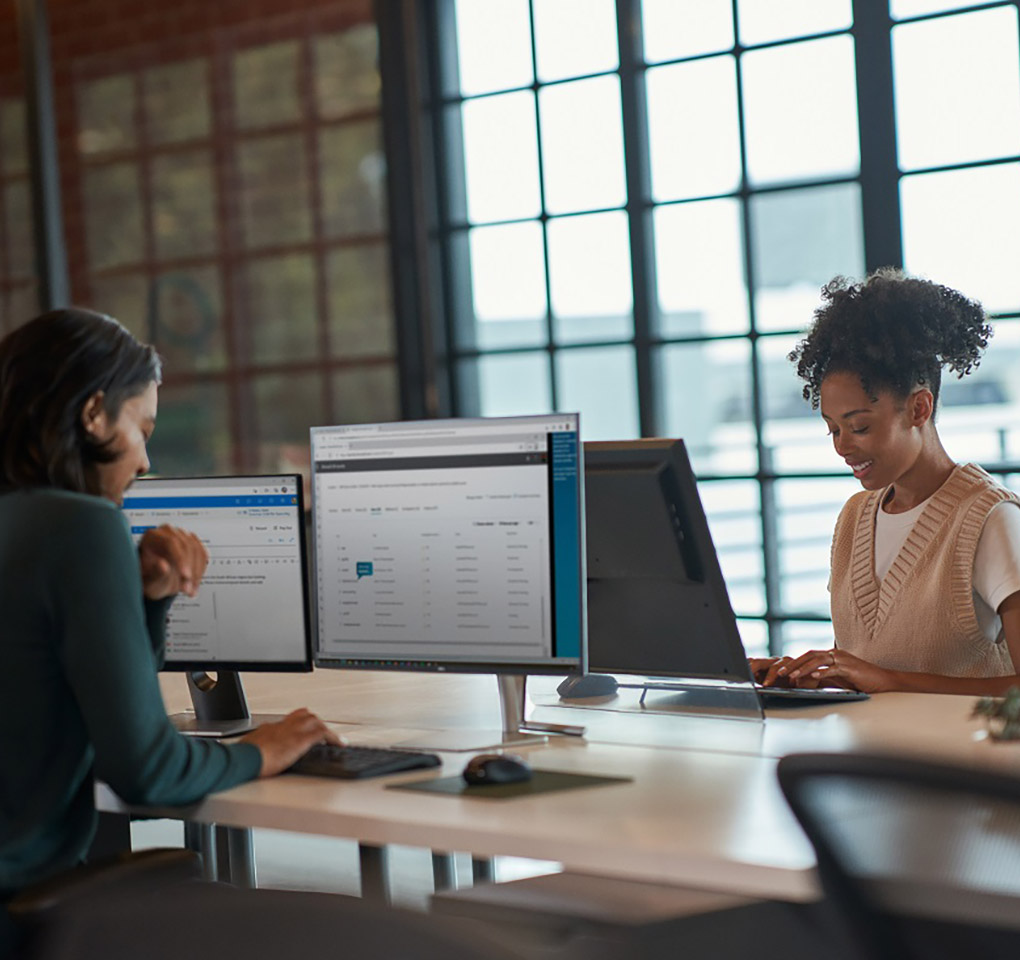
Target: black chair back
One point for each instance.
(921, 859)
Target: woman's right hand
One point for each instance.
(765, 670)
(283, 742)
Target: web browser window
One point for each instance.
(448, 542)
(250, 607)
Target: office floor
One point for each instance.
(289, 861)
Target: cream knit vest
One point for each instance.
(921, 616)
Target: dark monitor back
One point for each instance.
(657, 602)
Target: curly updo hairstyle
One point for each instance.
(894, 331)
(49, 368)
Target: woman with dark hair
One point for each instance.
(83, 610)
(925, 565)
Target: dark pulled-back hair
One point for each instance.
(894, 331)
(49, 368)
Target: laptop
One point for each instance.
(657, 602)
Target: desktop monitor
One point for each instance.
(251, 611)
(657, 601)
(450, 545)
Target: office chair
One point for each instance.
(43, 904)
(210, 921)
(919, 859)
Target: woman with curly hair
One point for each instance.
(925, 564)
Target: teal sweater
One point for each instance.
(79, 698)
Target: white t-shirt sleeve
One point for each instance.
(997, 561)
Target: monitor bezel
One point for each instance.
(546, 667)
(671, 454)
(304, 665)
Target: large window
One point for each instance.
(638, 223)
(226, 202)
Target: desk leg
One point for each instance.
(200, 838)
(374, 874)
(235, 856)
(482, 870)
(444, 872)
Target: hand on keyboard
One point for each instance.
(351, 763)
(283, 742)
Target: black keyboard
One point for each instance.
(353, 763)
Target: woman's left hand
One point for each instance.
(173, 561)
(837, 668)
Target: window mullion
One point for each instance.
(637, 165)
(880, 197)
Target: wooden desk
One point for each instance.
(704, 809)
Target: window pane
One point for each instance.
(589, 273)
(361, 319)
(266, 85)
(183, 205)
(699, 264)
(575, 37)
(346, 71)
(901, 9)
(125, 297)
(957, 89)
(959, 228)
(501, 158)
(762, 21)
(507, 385)
(795, 436)
(106, 114)
(788, 90)
(582, 145)
(352, 171)
(279, 309)
(733, 509)
(22, 304)
(184, 320)
(493, 45)
(706, 400)
(287, 406)
(807, 511)
(672, 29)
(693, 128)
(508, 285)
(113, 215)
(274, 191)
(19, 229)
(177, 102)
(366, 395)
(801, 240)
(13, 145)
(801, 636)
(192, 435)
(977, 416)
(601, 383)
(754, 635)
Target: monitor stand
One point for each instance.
(516, 730)
(221, 709)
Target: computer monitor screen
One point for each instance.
(450, 545)
(657, 602)
(251, 611)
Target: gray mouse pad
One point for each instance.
(542, 781)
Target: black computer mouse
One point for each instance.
(493, 768)
(583, 685)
